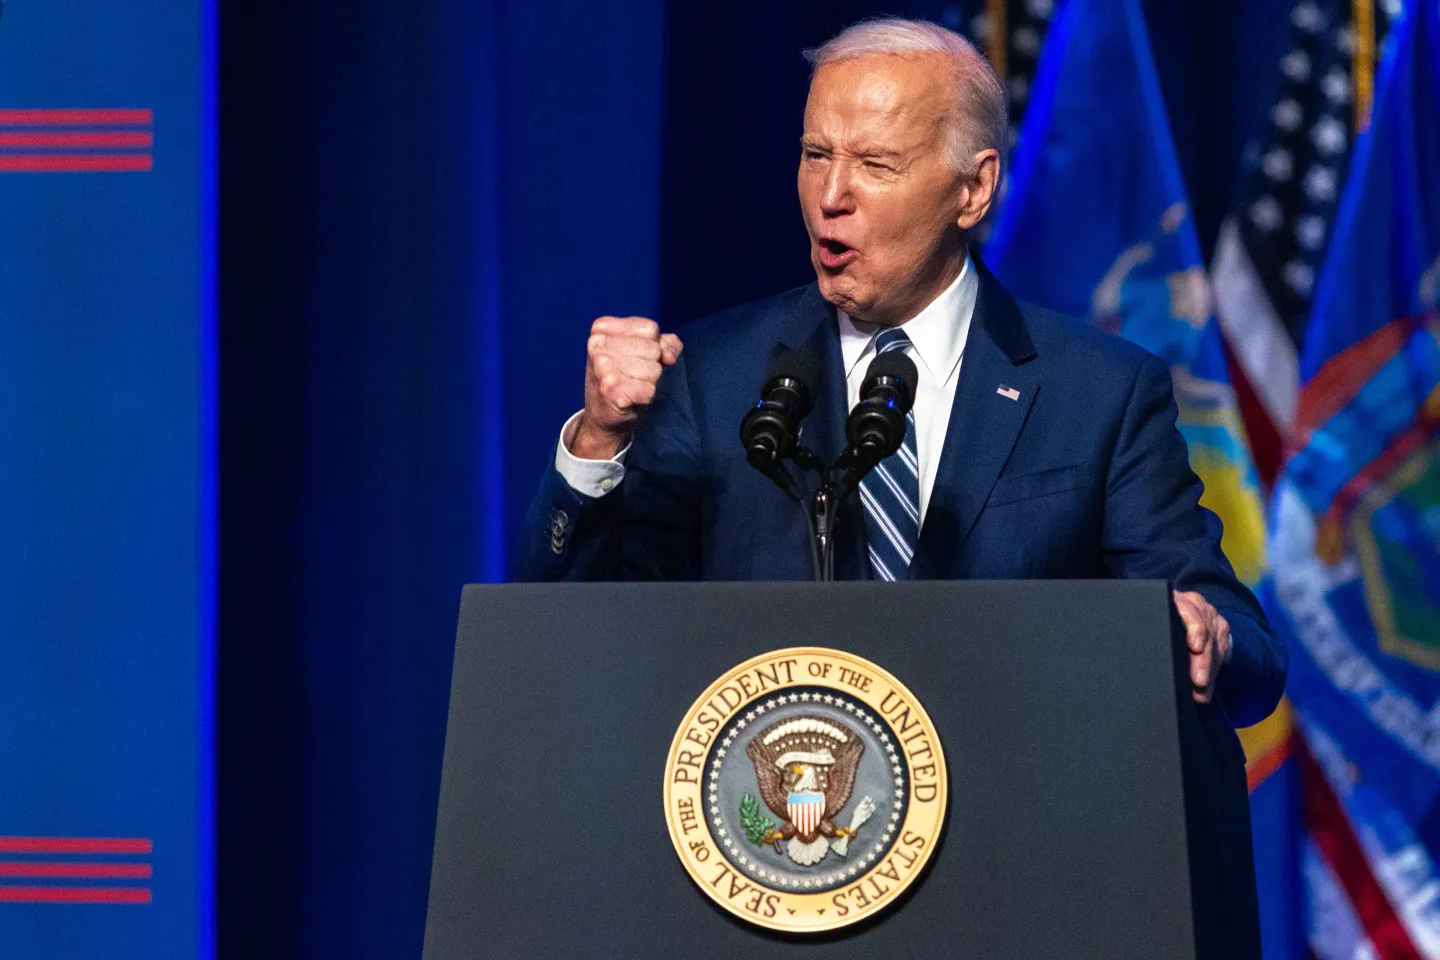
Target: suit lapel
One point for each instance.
(814, 330)
(984, 425)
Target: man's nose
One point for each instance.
(837, 198)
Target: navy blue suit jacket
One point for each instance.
(1085, 475)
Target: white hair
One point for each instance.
(980, 120)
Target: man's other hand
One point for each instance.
(1207, 634)
(625, 358)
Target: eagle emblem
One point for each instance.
(805, 768)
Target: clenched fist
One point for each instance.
(626, 356)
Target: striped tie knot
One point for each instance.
(891, 338)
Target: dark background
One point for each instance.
(423, 206)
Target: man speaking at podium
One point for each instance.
(1038, 447)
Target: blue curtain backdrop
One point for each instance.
(423, 207)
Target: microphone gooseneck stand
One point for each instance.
(836, 484)
(874, 430)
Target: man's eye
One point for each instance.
(876, 166)
(814, 155)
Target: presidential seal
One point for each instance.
(805, 790)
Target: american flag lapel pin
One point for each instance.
(1009, 393)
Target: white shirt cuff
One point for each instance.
(591, 478)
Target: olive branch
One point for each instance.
(756, 825)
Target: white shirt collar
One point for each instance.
(938, 332)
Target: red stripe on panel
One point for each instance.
(76, 118)
(78, 139)
(74, 894)
(76, 163)
(115, 871)
(112, 845)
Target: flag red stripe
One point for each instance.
(74, 894)
(75, 118)
(1329, 826)
(1266, 445)
(70, 138)
(119, 871)
(75, 845)
(76, 163)
(1344, 374)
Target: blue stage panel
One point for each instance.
(106, 478)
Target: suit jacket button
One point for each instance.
(559, 521)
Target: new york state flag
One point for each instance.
(1355, 544)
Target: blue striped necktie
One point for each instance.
(891, 492)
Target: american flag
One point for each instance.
(1271, 247)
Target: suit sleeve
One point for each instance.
(1156, 528)
(647, 527)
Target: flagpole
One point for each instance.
(1364, 61)
(995, 43)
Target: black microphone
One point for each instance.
(772, 427)
(876, 427)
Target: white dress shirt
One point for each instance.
(937, 344)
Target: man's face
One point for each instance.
(880, 201)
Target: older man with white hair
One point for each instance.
(1038, 447)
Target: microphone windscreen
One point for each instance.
(897, 366)
(795, 364)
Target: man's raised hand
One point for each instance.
(625, 358)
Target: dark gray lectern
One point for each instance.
(1096, 813)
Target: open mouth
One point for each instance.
(834, 254)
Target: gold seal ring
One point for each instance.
(805, 790)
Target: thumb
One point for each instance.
(670, 347)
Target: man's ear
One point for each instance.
(978, 191)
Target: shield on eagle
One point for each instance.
(807, 809)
